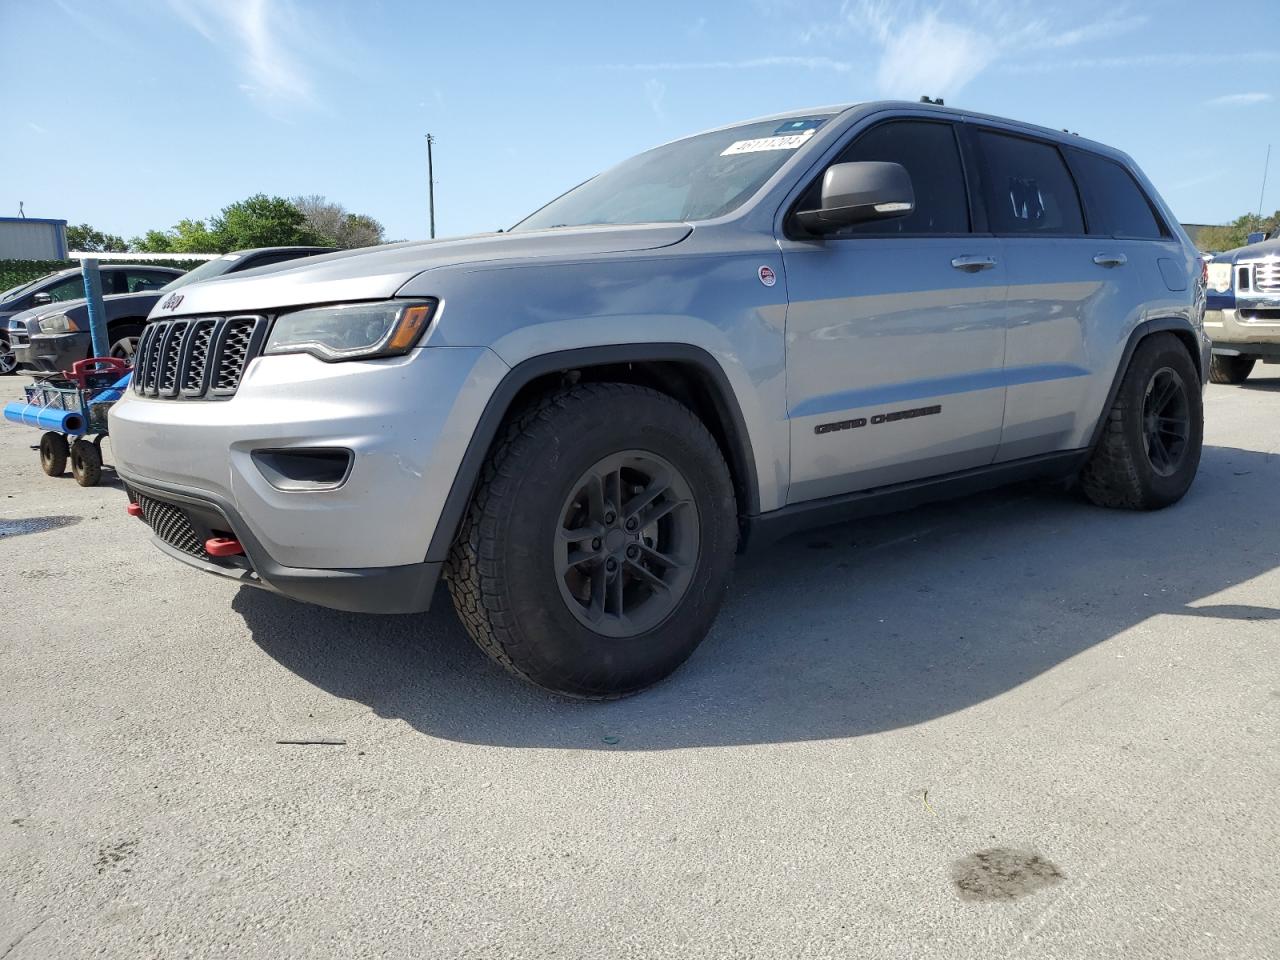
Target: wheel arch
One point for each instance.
(685, 372)
(1181, 328)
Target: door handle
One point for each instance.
(973, 264)
(1111, 259)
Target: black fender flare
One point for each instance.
(1136, 336)
(525, 372)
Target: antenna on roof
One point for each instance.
(21, 213)
(937, 102)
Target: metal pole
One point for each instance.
(97, 312)
(431, 185)
(1265, 166)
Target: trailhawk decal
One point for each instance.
(878, 418)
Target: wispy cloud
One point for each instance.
(1240, 99)
(267, 39)
(654, 92)
(1170, 58)
(938, 50)
(36, 128)
(754, 63)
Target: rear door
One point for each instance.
(895, 330)
(1075, 290)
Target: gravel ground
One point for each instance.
(1009, 726)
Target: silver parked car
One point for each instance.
(780, 323)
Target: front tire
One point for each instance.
(1149, 450)
(123, 341)
(597, 549)
(53, 454)
(1224, 369)
(8, 360)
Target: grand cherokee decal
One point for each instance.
(879, 418)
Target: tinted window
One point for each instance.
(1028, 187)
(72, 288)
(1116, 204)
(139, 281)
(931, 157)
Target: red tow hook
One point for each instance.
(223, 547)
(134, 510)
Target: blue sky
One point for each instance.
(133, 114)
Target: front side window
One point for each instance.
(72, 288)
(1117, 206)
(697, 178)
(1028, 187)
(929, 152)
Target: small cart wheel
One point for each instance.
(53, 454)
(86, 463)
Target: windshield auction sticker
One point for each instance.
(793, 142)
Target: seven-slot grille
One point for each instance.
(196, 358)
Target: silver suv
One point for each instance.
(780, 323)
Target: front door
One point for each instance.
(896, 332)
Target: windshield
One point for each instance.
(697, 178)
(15, 291)
(206, 271)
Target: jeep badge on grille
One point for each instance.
(172, 302)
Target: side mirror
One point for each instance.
(40, 299)
(859, 192)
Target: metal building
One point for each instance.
(32, 238)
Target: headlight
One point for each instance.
(1220, 277)
(352, 331)
(58, 323)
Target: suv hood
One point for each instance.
(378, 272)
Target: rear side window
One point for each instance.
(1029, 189)
(1116, 204)
(931, 157)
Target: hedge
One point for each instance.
(14, 272)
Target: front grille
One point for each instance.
(1266, 275)
(196, 359)
(170, 524)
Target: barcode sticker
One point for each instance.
(792, 142)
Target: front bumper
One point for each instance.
(52, 351)
(1243, 330)
(406, 421)
(399, 589)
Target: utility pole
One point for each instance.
(431, 185)
(1263, 194)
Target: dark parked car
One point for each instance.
(55, 338)
(68, 285)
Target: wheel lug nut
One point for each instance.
(595, 544)
(633, 551)
(631, 524)
(609, 517)
(611, 564)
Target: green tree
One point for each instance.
(261, 221)
(193, 236)
(153, 241)
(1236, 232)
(85, 238)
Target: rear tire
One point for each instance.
(86, 463)
(598, 547)
(53, 454)
(1224, 369)
(1149, 450)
